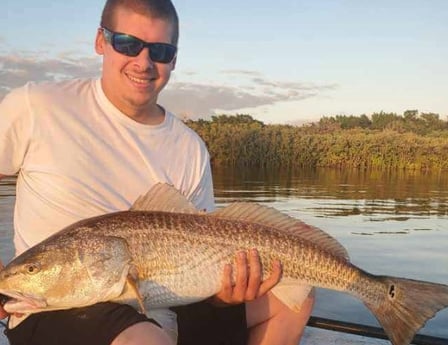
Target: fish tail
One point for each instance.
(406, 305)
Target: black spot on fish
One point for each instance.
(392, 291)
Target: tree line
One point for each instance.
(411, 141)
(410, 121)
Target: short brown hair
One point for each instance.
(162, 9)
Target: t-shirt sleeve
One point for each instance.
(203, 197)
(15, 130)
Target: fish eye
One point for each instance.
(32, 268)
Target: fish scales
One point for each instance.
(171, 243)
(168, 241)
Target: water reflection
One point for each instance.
(8, 187)
(391, 223)
(395, 195)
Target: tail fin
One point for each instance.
(406, 307)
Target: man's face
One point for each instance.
(132, 84)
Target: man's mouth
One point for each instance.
(140, 81)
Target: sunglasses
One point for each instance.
(132, 46)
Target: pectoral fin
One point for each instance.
(132, 289)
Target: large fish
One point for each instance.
(175, 254)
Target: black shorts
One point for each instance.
(199, 323)
(204, 324)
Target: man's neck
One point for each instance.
(149, 114)
(153, 116)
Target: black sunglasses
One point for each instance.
(132, 46)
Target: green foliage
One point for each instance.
(410, 121)
(411, 141)
(381, 120)
(351, 121)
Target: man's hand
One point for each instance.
(249, 283)
(3, 313)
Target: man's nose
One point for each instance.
(144, 59)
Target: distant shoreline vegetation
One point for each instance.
(411, 141)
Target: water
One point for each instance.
(391, 223)
(7, 198)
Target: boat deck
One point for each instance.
(317, 336)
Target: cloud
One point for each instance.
(200, 100)
(293, 85)
(191, 99)
(242, 72)
(16, 70)
(194, 100)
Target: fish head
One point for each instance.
(27, 280)
(66, 274)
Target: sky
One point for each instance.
(283, 61)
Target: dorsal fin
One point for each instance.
(166, 198)
(271, 217)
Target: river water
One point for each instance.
(392, 223)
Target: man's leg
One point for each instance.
(142, 333)
(271, 322)
(203, 323)
(100, 324)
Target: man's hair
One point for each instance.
(161, 9)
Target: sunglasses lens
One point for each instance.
(132, 46)
(127, 45)
(163, 53)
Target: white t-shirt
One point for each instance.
(78, 156)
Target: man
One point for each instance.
(88, 147)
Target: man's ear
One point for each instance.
(100, 42)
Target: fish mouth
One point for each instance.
(4, 299)
(16, 302)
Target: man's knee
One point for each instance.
(142, 333)
(300, 318)
(269, 307)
